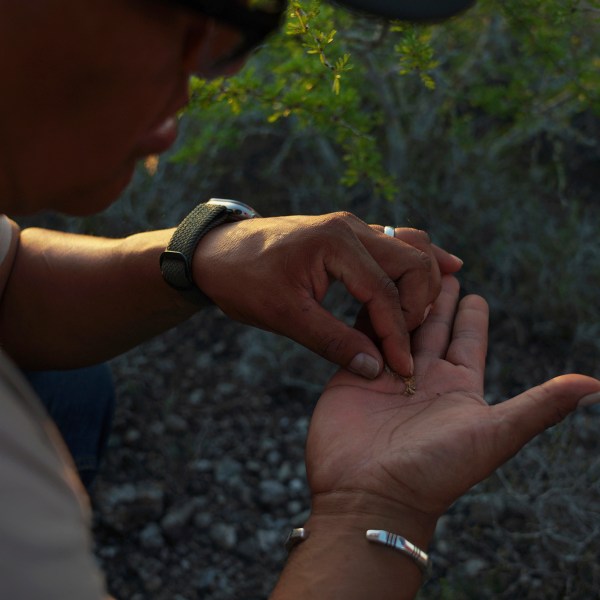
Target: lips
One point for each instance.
(159, 139)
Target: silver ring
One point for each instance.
(389, 231)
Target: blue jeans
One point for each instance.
(81, 402)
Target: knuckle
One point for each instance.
(419, 264)
(389, 288)
(426, 261)
(336, 230)
(340, 219)
(343, 215)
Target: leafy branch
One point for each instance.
(316, 42)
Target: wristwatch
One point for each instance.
(176, 260)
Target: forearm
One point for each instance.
(73, 300)
(336, 561)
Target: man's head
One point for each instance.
(92, 87)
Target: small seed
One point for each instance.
(411, 386)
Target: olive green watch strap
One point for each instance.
(176, 260)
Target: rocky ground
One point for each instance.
(205, 471)
(204, 477)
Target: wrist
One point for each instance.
(176, 261)
(337, 560)
(359, 510)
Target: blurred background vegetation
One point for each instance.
(485, 132)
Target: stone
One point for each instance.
(224, 535)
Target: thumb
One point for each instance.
(319, 331)
(543, 406)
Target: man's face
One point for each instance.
(90, 88)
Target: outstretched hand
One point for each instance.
(274, 273)
(419, 453)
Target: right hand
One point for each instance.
(273, 273)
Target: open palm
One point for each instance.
(424, 451)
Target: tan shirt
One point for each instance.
(45, 539)
(9, 238)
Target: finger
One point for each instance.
(417, 277)
(415, 237)
(413, 280)
(525, 416)
(432, 338)
(370, 285)
(339, 343)
(468, 345)
(364, 325)
(387, 320)
(418, 283)
(418, 289)
(387, 324)
(409, 259)
(448, 263)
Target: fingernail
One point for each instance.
(365, 365)
(589, 400)
(427, 311)
(460, 260)
(412, 366)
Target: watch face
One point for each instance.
(238, 211)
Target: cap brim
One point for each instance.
(405, 10)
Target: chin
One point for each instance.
(94, 199)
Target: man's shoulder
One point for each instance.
(45, 540)
(9, 236)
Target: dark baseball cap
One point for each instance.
(257, 19)
(405, 10)
(409, 10)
